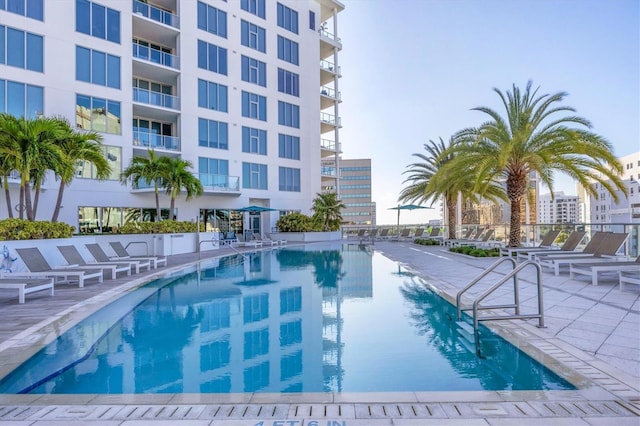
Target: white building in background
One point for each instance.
(355, 192)
(247, 90)
(559, 209)
(627, 209)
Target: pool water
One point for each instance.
(338, 318)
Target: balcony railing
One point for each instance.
(328, 91)
(155, 14)
(328, 144)
(155, 98)
(324, 33)
(329, 66)
(219, 182)
(328, 171)
(156, 56)
(152, 140)
(329, 119)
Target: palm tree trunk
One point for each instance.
(21, 203)
(27, 201)
(171, 207)
(516, 189)
(7, 196)
(451, 216)
(157, 202)
(36, 198)
(56, 209)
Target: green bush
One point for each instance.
(295, 222)
(163, 227)
(20, 229)
(476, 252)
(426, 242)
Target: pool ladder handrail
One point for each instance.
(516, 294)
(146, 244)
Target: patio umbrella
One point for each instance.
(256, 209)
(406, 207)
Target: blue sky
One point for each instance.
(413, 69)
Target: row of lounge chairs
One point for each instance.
(40, 275)
(404, 235)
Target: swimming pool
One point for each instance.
(331, 319)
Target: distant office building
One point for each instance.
(355, 192)
(560, 208)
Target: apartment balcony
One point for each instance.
(329, 171)
(155, 56)
(329, 147)
(157, 99)
(220, 184)
(328, 72)
(147, 140)
(328, 97)
(144, 12)
(328, 122)
(328, 43)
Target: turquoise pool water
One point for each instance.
(329, 319)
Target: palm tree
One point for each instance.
(327, 208)
(145, 170)
(176, 177)
(5, 170)
(534, 136)
(28, 145)
(79, 146)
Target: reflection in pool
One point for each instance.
(316, 319)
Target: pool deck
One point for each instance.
(591, 337)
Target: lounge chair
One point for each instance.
(279, 241)
(384, 234)
(605, 251)
(627, 277)
(403, 235)
(480, 237)
(567, 247)
(122, 253)
(359, 235)
(418, 234)
(596, 268)
(39, 267)
(229, 238)
(469, 235)
(73, 257)
(100, 256)
(26, 285)
(545, 244)
(435, 234)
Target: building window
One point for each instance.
(253, 36)
(154, 134)
(212, 95)
(97, 67)
(288, 114)
(287, 18)
(256, 7)
(29, 8)
(254, 176)
(254, 141)
(254, 106)
(212, 57)
(288, 82)
(312, 20)
(212, 20)
(256, 343)
(213, 134)
(289, 179)
(98, 114)
(290, 333)
(288, 147)
(254, 71)
(97, 21)
(212, 171)
(21, 100)
(113, 154)
(23, 49)
(287, 50)
(290, 300)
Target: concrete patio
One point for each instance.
(592, 337)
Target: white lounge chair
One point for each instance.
(595, 269)
(73, 256)
(545, 244)
(567, 247)
(26, 285)
(122, 253)
(628, 277)
(39, 267)
(100, 256)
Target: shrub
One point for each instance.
(426, 242)
(476, 252)
(295, 222)
(163, 227)
(20, 229)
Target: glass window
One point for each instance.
(212, 57)
(287, 18)
(113, 154)
(35, 55)
(256, 343)
(29, 8)
(257, 7)
(83, 16)
(2, 43)
(312, 20)
(15, 6)
(83, 64)
(253, 36)
(98, 114)
(213, 171)
(21, 100)
(254, 106)
(287, 50)
(288, 82)
(291, 333)
(289, 179)
(254, 175)
(289, 147)
(254, 71)
(113, 71)
(25, 50)
(15, 55)
(212, 20)
(212, 95)
(288, 114)
(290, 300)
(254, 140)
(213, 134)
(97, 67)
(97, 20)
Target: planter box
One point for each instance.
(307, 237)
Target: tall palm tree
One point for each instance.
(5, 170)
(327, 208)
(535, 135)
(79, 146)
(177, 177)
(145, 170)
(29, 144)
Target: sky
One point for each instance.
(412, 70)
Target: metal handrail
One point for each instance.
(212, 241)
(477, 279)
(146, 244)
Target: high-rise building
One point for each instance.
(355, 193)
(559, 209)
(246, 90)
